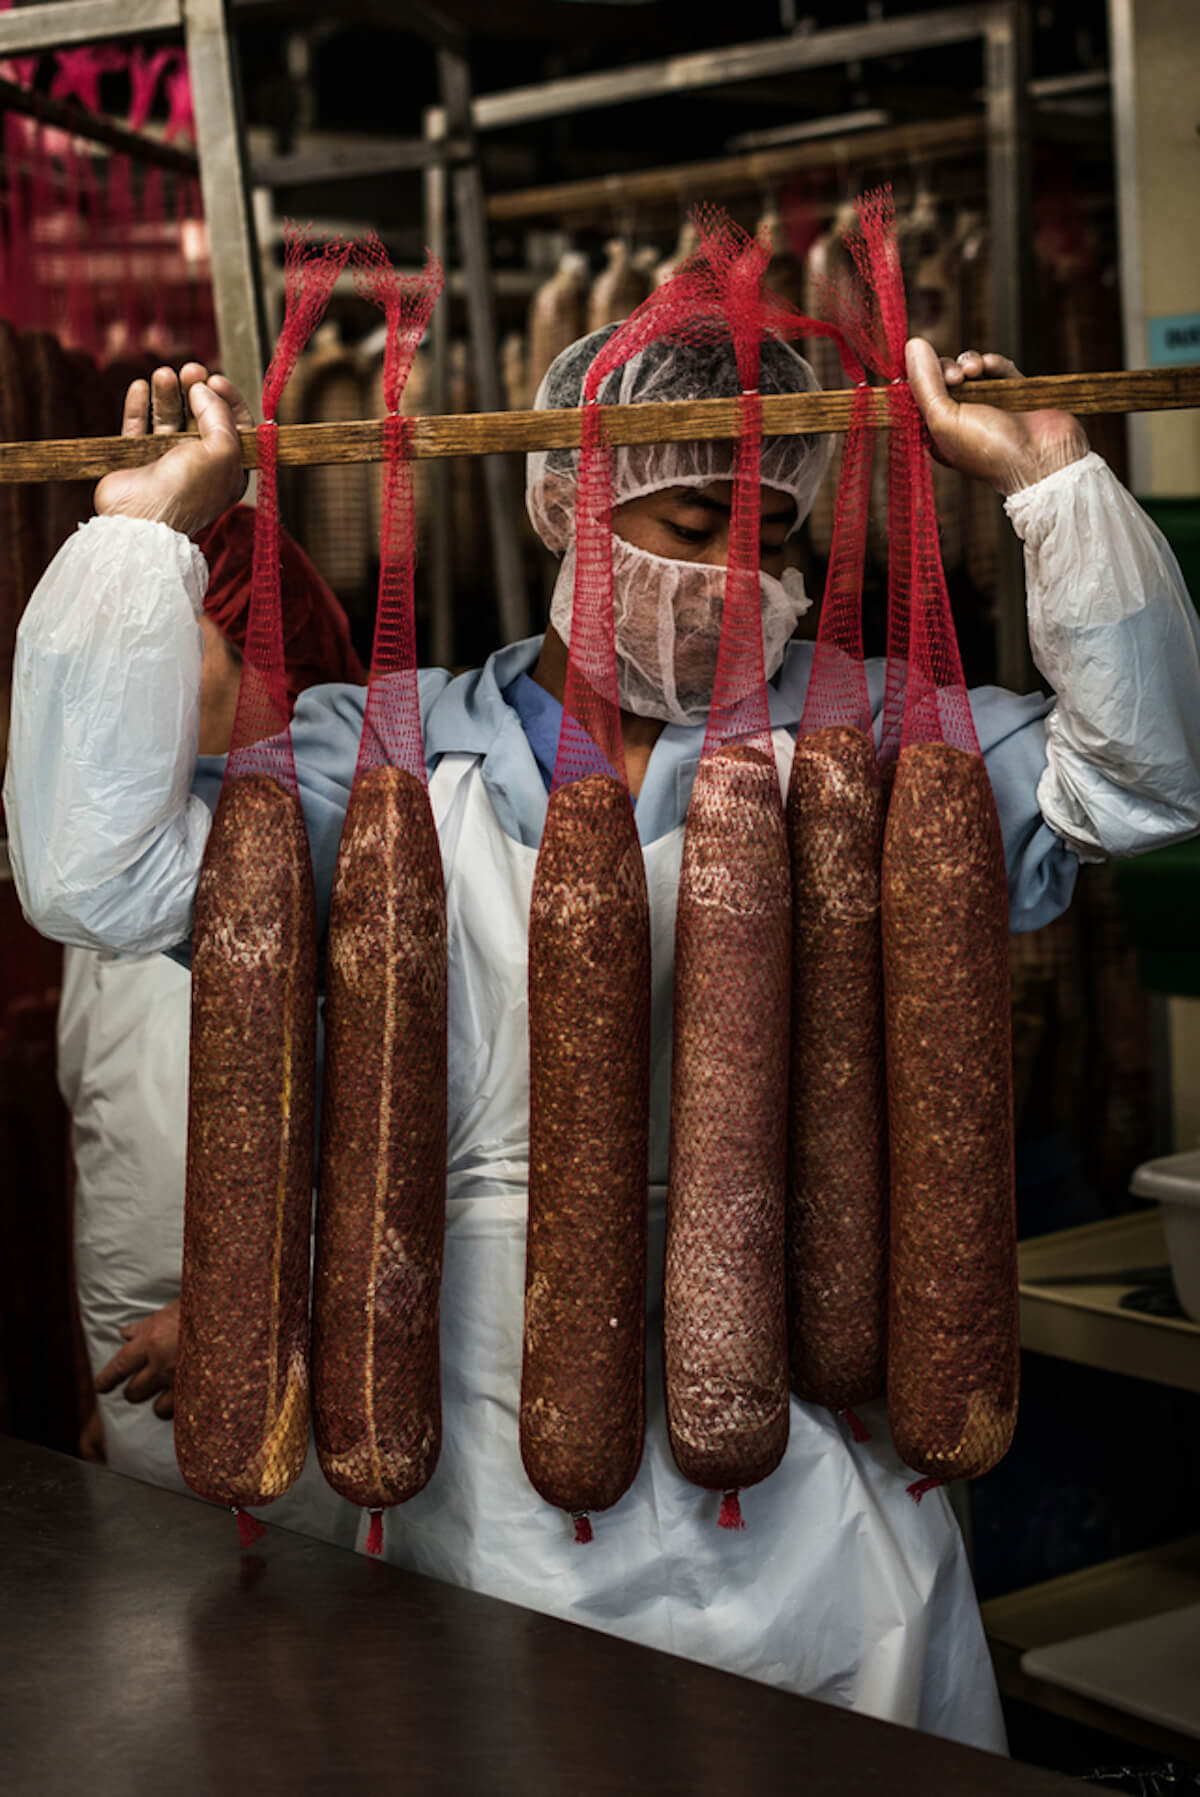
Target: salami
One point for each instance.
(381, 1220)
(241, 1392)
(724, 1322)
(583, 1378)
(953, 1351)
(838, 1168)
(621, 286)
(557, 316)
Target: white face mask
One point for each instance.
(667, 627)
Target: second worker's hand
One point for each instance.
(146, 1364)
(1009, 450)
(201, 476)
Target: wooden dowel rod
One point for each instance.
(678, 421)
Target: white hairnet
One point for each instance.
(665, 371)
(667, 613)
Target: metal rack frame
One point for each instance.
(1003, 26)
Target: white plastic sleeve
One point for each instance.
(1114, 632)
(105, 838)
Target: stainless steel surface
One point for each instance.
(470, 214)
(220, 142)
(142, 1652)
(62, 22)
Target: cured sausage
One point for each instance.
(724, 1320)
(583, 1377)
(241, 1393)
(381, 1215)
(557, 316)
(838, 1169)
(619, 288)
(953, 1343)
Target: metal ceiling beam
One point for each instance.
(311, 167)
(731, 62)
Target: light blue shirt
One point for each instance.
(515, 736)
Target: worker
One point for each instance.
(841, 1587)
(123, 1025)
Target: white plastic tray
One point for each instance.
(1149, 1668)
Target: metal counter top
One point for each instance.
(142, 1652)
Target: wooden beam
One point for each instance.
(679, 421)
(220, 144)
(53, 25)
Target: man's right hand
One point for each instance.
(202, 475)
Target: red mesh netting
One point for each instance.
(837, 1203)
(953, 1345)
(715, 296)
(262, 743)
(724, 1321)
(838, 1178)
(380, 1217)
(924, 668)
(241, 1418)
(589, 739)
(392, 726)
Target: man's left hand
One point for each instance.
(1009, 450)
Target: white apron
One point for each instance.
(840, 1586)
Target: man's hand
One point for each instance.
(147, 1361)
(1009, 450)
(199, 478)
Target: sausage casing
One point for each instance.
(583, 1378)
(724, 1318)
(241, 1390)
(381, 1211)
(837, 1218)
(953, 1340)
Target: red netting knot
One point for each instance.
(375, 1533)
(583, 1528)
(920, 1487)
(731, 1512)
(856, 1426)
(250, 1529)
